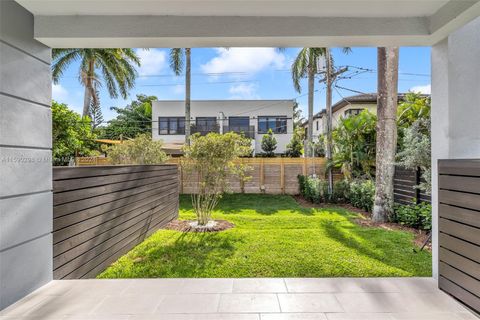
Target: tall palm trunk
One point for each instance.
(386, 132)
(187, 94)
(311, 89)
(87, 97)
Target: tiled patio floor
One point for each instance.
(240, 299)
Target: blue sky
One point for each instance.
(250, 73)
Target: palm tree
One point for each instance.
(386, 132)
(116, 66)
(305, 65)
(177, 61)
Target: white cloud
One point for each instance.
(249, 60)
(244, 91)
(59, 93)
(426, 89)
(152, 61)
(179, 89)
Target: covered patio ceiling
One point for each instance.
(197, 23)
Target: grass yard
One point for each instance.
(274, 237)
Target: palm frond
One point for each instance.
(176, 60)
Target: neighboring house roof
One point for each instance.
(357, 99)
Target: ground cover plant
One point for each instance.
(274, 236)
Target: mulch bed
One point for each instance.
(366, 221)
(184, 226)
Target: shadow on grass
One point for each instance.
(263, 204)
(380, 245)
(189, 255)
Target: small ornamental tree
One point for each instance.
(417, 151)
(141, 150)
(269, 144)
(211, 159)
(295, 146)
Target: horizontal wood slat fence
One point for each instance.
(404, 190)
(459, 229)
(102, 212)
(268, 175)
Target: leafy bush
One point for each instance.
(316, 190)
(210, 160)
(414, 215)
(341, 192)
(312, 189)
(141, 150)
(362, 193)
(71, 134)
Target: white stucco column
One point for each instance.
(455, 106)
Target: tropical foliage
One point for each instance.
(71, 134)
(354, 145)
(133, 119)
(306, 65)
(211, 159)
(114, 68)
(413, 107)
(140, 150)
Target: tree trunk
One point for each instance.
(311, 89)
(386, 132)
(86, 101)
(87, 97)
(328, 107)
(187, 94)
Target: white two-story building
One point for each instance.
(253, 118)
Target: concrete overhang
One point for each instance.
(232, 23)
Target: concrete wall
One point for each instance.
(25, 152)
(229, 108)
(455, 105)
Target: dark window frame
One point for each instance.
(180, 130)
(353, 112)
(276, 129)
(246, 127)
(212, 127)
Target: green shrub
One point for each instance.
(312, 189)
(414, 215)
(362, 193)
(316, 190)
(341, 192)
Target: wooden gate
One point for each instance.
(459, 229)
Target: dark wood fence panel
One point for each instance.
(100, 213)
(459, 229)
(404, 190)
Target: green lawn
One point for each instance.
(274, 237)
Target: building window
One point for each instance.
(171, 125)
(238, 124)
(277, 124)
(205, 125)
(317, 124)
(352, 112)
